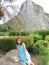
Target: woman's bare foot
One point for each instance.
(31, 63)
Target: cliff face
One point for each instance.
(32, 16)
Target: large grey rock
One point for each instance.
(6, 60)
(32, 16)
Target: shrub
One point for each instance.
(7, 44)
(29, 43)
(5, 28)
(37, 37)
(43, 60)
(47, 37)
(14, 33)
(42, 32)
(40, 47)
(2, 34)
(24, 33)
(17, 33)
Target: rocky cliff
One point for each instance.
(33, 16)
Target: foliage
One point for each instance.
(4, 33)
(17, 33)
(14, 33)
(42, 32)
(24, 33)
(47, 37)
(29, 43)
(43, 60)
(5, 28)
(2, 53)
(37, 37)
(40, 47)
(7, 44)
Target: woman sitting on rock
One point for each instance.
(23, 53)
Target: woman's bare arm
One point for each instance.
(24, 47)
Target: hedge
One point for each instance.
(37, 37)
(8, 44)
(25, 33)
(17, 33)
(14, 33)
(40, 47)
(47, 37)
(42, 32)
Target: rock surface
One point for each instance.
(6, 60)
(33, 16)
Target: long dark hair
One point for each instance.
(21, 41)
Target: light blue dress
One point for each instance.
(22, 55)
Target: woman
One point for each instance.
(23, 53)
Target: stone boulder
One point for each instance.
(6, 60)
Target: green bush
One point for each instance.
(40, 47)
(14, 33)
(29, 43)
(37, 37)
(2, 34)
(42, 32)
(43, 60)
(24, 33)
(47, 38)
(7, 44)
(5, 28)
(17, 33)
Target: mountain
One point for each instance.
(33, 16)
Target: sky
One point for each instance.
(43, 3)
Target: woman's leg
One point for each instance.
(31, 63)
(28, 64)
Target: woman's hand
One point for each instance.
(27, 58)
(15, 59)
